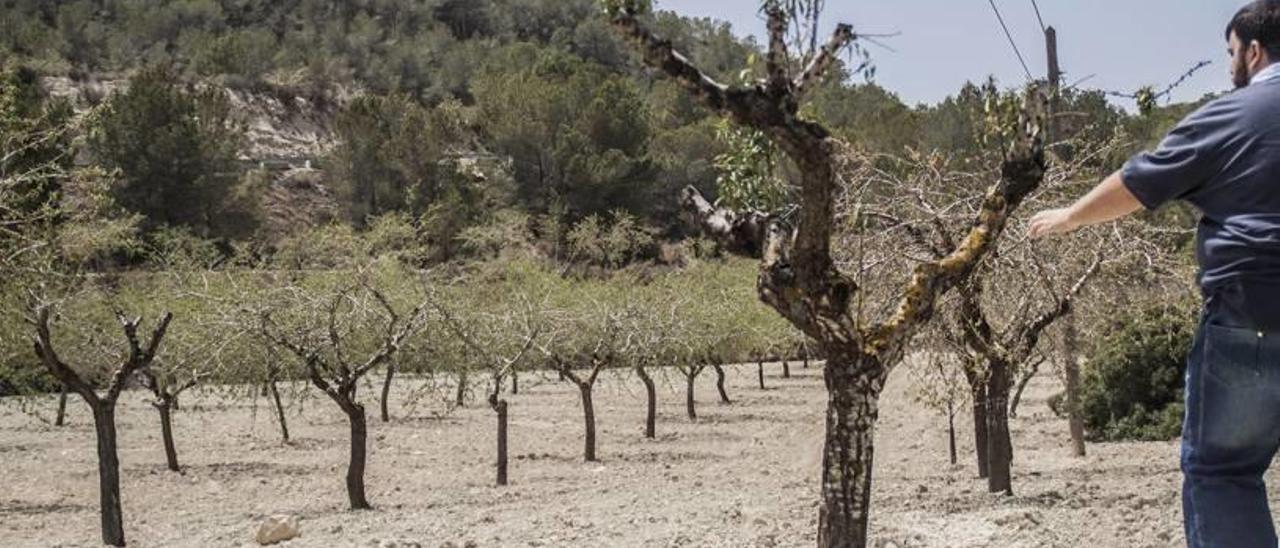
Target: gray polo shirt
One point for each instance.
(1224, 159)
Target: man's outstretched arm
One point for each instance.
(1109, 201)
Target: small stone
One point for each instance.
(278, 528)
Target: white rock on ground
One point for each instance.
(278, 528)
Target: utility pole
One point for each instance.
(1070, 337)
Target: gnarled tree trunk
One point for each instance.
(1071, 367)
(500, 407)
(999, 446)
(284, 424)
(104, 423)
(980, 430)
(651, 399)
(852, 410)
(386, 390)
(724, 396)
(589, 420)
(165, 408)
(61, 418)
(359, 450)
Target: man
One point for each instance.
(1225, 160)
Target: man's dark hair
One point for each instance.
(1260, 20)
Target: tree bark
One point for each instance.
(651, 395)
(501, 409)
(386, 390)
(980, 430)
(589, 417)
(1017, 393)
(786, 369)
(166, 433)
(852, 409)
(760, 373)
(61, 419)
(691, 378)
(999, 446)
(104, 422)
(284, 424)
(724, 396)
(515, 383)
(460, 398)
(951, 432)
(1071, 366)
(359, 448)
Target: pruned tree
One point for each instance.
(939, 384)
(166, 386)
(500, 339)
(799, 276)
(592, 340)
(998, 353)
(100, 386)
(340, 334)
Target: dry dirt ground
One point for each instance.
(742, 475)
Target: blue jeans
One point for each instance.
(1230, 432)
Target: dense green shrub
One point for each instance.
(1132, 388)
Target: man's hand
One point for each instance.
(1052, 222)
(1109, 201)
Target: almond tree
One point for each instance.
(799, 276)
(999, 353)
(594, 339)
(100, 386)
(492, 336)
(340, 335)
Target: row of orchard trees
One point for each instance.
(241, 333)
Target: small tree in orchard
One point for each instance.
(863, 331)
(939, 384)
(84, 357)
(498, 335)
(340, 331)
(592, 338)
(656, 330)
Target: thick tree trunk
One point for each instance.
(1071, 366)
(359, 448)
(589, 417)
(980, 430)
(760, 373)
(61, 419)
(999, 446)
(386, 391)
(951, 433)
(104, 421)
(690, 380)
(284, 424)
(724, 396)
(501, 409)
(651, 394)
(166, 434)
(852, 409)
(786, 369)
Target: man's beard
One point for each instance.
(1240, 73)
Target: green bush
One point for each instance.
(1133, 384)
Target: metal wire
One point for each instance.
(1009, 35)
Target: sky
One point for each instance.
(1118, 45)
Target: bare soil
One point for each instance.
(742, 475)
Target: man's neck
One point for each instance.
(1267, 74)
